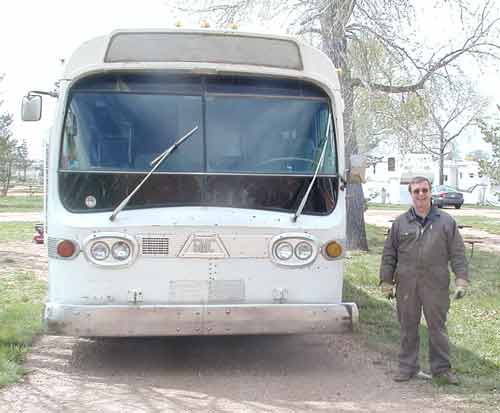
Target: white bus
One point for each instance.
(195, 187)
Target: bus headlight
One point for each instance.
(284, 250)
(110, 249)
(120, 250)
(293, 249)
(99, 251)
(303, 250)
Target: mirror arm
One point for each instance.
(41, 92)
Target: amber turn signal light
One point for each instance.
(66, 248)
(333, 249)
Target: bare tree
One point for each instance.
(453, 108)
(337, 25)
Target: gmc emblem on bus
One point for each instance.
(202, 246)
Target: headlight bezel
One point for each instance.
(110, 239)
(294, 239)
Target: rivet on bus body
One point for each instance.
(178, 330)
(228, 311)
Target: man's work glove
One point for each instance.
(461, 288)
(387, 290)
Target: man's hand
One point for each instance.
(387, 290)
(461, 288)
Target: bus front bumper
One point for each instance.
(191, 320)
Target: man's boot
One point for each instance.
(448, 377)
(403, 376)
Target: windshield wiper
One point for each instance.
(155, 163)
(320, 164)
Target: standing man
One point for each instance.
(420, 244)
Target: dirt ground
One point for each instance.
(314, 373)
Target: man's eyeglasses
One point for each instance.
(416, 191)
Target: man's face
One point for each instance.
(421, 195)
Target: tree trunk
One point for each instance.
(441, 159)
(355, 200)
(8, 172)
(333, 21)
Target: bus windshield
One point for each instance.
(246, 126)
(125, 128)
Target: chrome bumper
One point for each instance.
(191, 320)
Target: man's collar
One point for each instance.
(412, 215)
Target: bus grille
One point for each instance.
(155, 246)
(52, 247)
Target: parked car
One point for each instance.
(443, 195)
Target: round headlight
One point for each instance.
(284, 250)
(303, 250)
(120, 250)
(99, 251)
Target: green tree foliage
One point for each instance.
(22, 159)
(491, 167)
(8, 150)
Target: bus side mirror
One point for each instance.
(31, 109)
(358, 169)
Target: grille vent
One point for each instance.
(52, 247)
(155, 246)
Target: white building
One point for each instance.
(387, 181)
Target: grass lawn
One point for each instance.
(476, 206)
(21, 302)
(20, 308)
(16, 231)
(21, 203)
(473, 326)
(488, 224)
(374, 205)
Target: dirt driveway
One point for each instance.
(216, 374)
(316, 373)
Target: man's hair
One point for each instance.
(417, 180)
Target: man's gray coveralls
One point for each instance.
(415, 258)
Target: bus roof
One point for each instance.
(201, 49)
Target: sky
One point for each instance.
(35, 35)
